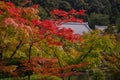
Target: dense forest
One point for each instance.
(99, 12)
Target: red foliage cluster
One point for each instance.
(46, 29)
(14, 16)
(1, 12)
(69, 35)
(64, 16)
(35, 66)
(70, 70)
(7, 69)
(48, 66)
(49, 30)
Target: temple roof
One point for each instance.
(78, 28)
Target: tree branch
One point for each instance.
(86, 54)
(30, 48)
(17, 47)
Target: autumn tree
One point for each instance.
(23, 35)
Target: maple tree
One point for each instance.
(21, 33)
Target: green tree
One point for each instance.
(96, 6)
(48, 5)
(112, 61)
(107, 7)
(64, 5)
(43, 13)
(98, 19)
(78, 4)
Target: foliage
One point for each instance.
(70, 16)
(94, 46)
(36, 77)
(97, 75)
(23, 37)
(43, 14)
(92, 50)
(98, 19)
(112, 61)
(104, 7)
(64, 5)
(30, 46)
